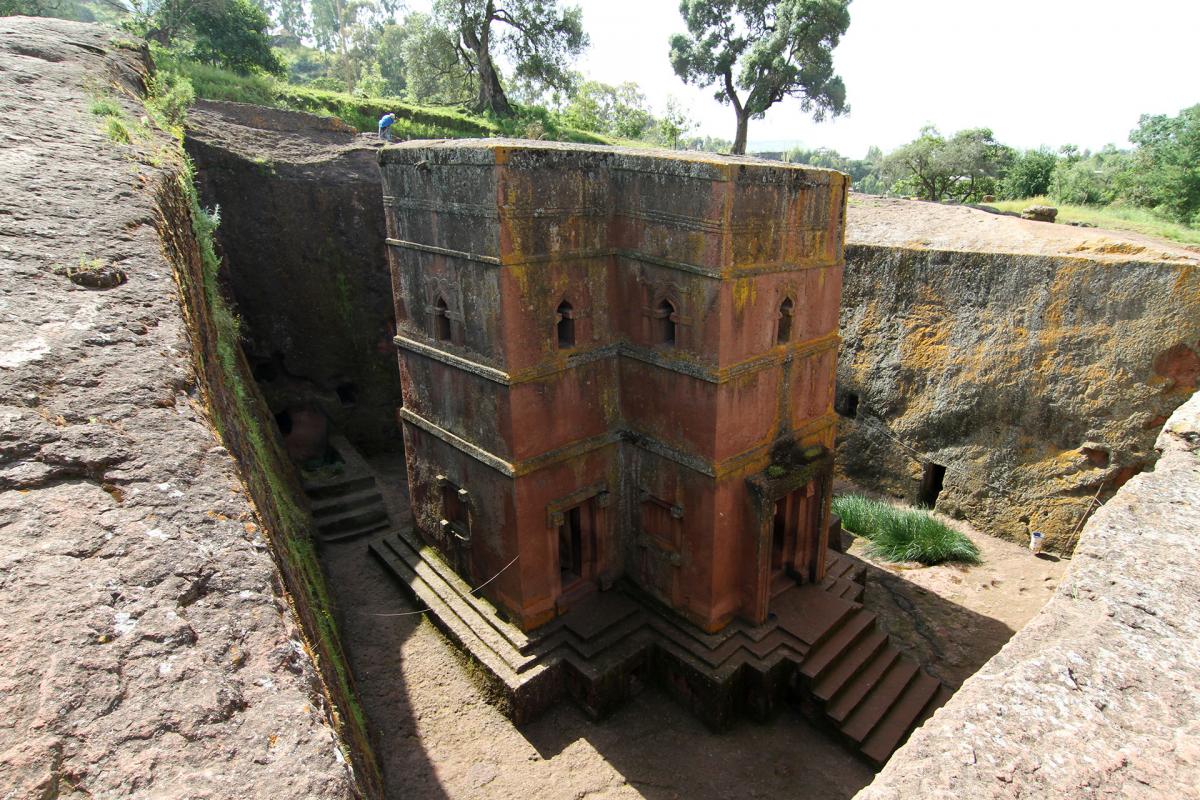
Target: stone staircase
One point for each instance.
(348, 505)
(470, 622)
(873, 694)
(845, 577)
(844, 668)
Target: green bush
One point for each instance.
(903, 534)
(118, 131)
(1029, 175)
(106, 107)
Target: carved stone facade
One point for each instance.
(617, 364)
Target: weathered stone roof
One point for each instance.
(703, 163)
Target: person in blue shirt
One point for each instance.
(385, 126)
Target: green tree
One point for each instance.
(962, 168)
(233, 34)
(434, 70)
(80, 10)
(290, 17)
(1165, 172)
(674, 123)
(707, 144)
(870, 179)
(227, 33)
(1089, 178)
(349, 29)
(821, 157)
(760, 51)
(390, 57)
(1029, 175)
(615, 110)
(539, 38)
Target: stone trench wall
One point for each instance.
(165, 633)
(302, 231)
(1097, 696)
(1039, 382)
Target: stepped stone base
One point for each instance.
(819, 651)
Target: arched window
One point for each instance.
(565, 326)
(665, 314)
(783, 333)
(441, 320)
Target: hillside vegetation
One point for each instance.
(414, 121)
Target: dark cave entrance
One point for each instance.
(846, 404)
(932, 481)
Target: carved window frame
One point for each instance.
(443, 289)
(785, 320)
(568, 317)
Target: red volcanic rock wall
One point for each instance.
(702, 298)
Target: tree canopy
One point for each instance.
(1166, 165)
(226, 33)
(539, 38)
(964, 167)
(616, 110)
(1029, 175)
(759, 52)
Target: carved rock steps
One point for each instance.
(873, 694)
(347, 508)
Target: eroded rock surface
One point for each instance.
(1035, 362)
(1096, 696)
(145, 647)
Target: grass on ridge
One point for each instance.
(413, 121)
(903, 534)
(1114, 217)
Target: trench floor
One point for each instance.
(437, 736)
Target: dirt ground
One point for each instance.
(438, 738)
(952, 617)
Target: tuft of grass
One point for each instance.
(1113, 217)
(903, 534)
(106, 107)
(118, 131)
(860, 515)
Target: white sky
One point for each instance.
(1035, 71)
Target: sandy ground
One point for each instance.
(952, 617)
(437, 737)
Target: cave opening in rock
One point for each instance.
(847, 405)
(932, 479)
(284, 420)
